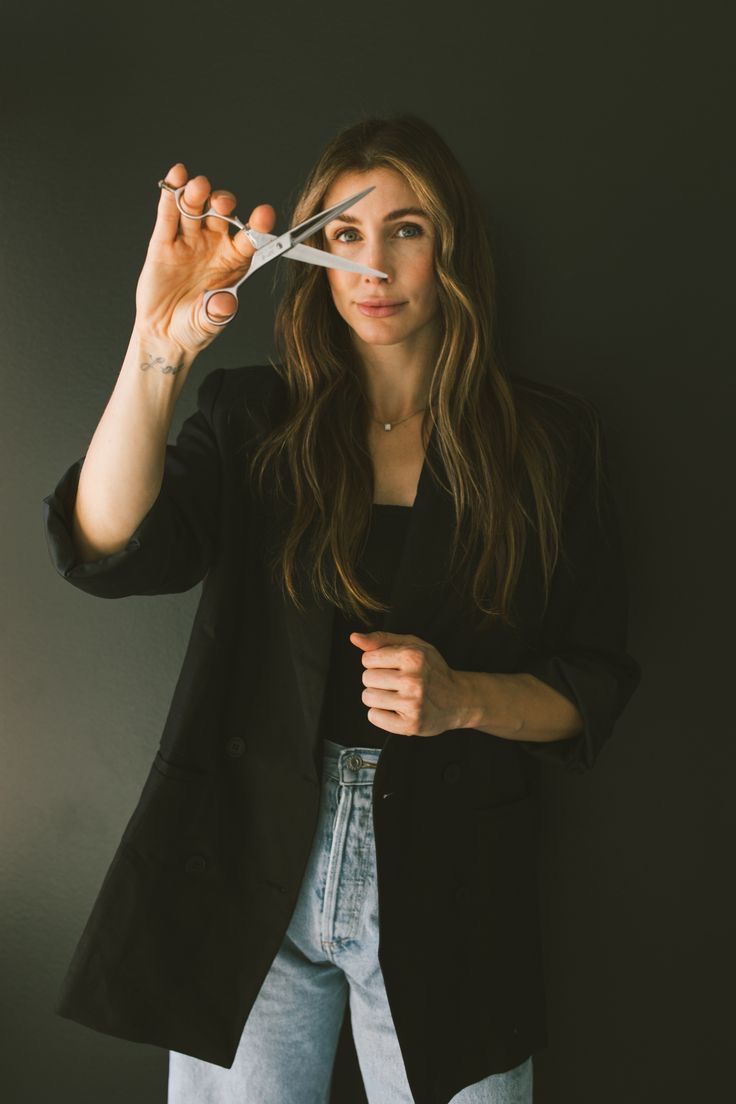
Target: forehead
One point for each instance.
(390, 189)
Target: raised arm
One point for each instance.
(135, 515)
(123, 468)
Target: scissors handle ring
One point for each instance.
(218, 291)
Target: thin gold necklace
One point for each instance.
(390, 425)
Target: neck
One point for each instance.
(397, 377)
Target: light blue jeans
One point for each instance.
(329, 955)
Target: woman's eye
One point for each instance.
(412, 226)
(339, 234)
(415, 232)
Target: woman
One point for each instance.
(413, 585)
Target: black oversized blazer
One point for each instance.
(200, 891)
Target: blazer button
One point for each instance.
(452, 772)
(235, 747)
(195, 864)
(462, 895)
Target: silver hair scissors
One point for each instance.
(269, 246)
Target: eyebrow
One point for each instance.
(401, 213)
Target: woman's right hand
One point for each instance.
(187, 257)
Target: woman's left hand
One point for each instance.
(408, 686)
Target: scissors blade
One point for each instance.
(329, 260)
(286, 242)
(316, 222)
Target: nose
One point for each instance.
(375, 256)
(373, 280)
(377, 281)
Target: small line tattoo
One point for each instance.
(167, 370)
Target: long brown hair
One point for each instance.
(496, 434)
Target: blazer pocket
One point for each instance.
(183, 772)
(169, 811)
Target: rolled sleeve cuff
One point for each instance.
(113, 576)
(600, 692)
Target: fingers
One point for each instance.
(224, 203)
(167, 217)
(170, 222)
(193, 200)
(263, 219)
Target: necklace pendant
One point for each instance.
(387, 426)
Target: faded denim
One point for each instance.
(329, 955)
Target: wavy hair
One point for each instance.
(502, 439)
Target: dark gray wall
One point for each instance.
(596, 136)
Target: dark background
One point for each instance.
(597, 137)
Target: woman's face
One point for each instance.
(385, 230)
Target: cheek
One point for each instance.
(425, 275)
(336, 281)
(340, 294)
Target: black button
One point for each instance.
(235, 746)
(452, 772)
(195, 864)
(462, 895)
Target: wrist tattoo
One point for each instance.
(167, 369)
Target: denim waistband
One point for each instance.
(350, 765)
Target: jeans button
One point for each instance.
(354, 762)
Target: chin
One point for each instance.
(372, 336)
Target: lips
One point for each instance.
(380, 308)
(381, 302)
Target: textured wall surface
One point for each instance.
(596, 136)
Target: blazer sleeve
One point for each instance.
(172, 547)
(582, 651)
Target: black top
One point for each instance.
(344, 714)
